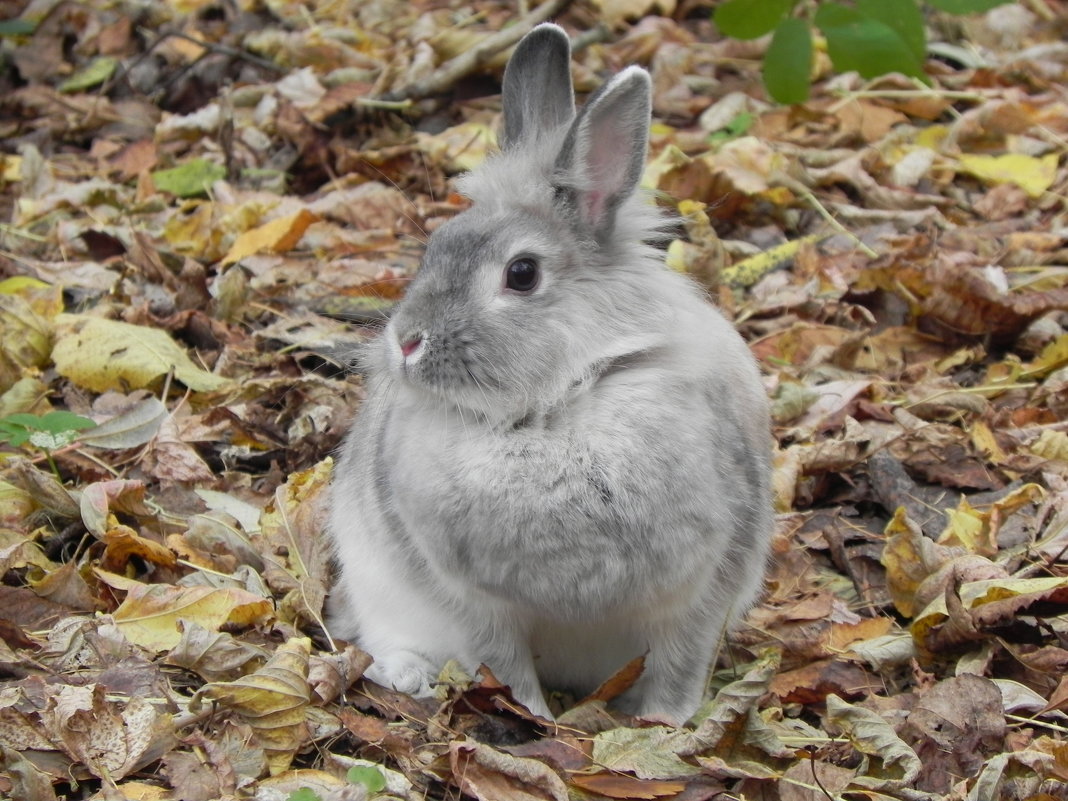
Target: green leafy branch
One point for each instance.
(49, 432)
(871, 37)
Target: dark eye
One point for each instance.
(522, 275)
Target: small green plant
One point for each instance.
(871, 37)
(48, 432)
(369, 777)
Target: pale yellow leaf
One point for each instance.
(1052, 445)
(274, 700)
(1033, 175)
(151, 614)
(276, 236)
(101, 354)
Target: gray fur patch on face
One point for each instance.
(482, 344)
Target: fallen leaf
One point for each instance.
(898, 765)
(491, 775)
(151, 613)
(1033, 175)
(273, 701)
(112, 738)
(102, 354)
(277, 236)
(619, 785)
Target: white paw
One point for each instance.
(405, 671)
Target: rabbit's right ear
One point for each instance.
(537, 96)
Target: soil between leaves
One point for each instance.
(198, 194)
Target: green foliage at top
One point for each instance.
(871, 37)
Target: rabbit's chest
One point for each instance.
(546, 518)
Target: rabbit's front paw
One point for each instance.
(404, 671)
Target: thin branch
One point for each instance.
(464, 64)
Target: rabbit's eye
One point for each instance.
(522, 275)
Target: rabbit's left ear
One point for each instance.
(602, 158)
(536, 95)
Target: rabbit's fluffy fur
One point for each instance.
(553, 482)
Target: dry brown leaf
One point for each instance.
(273, 701)
(112, 738)
(214, 655)
(291, 533)
(619, 785)
(490, 775)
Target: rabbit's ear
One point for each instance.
(537, 96)
(601, 160)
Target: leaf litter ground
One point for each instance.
(207, 205)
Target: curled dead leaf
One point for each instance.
(273, 701)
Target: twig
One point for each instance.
(464, 64)
(803, 191)
(226, 50)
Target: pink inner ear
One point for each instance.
(607, 162)
(594, 203)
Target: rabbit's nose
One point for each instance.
(410, 344)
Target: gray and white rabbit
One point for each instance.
(562, 462)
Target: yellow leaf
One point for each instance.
(986, 443)
(150, 615)
(932, 136)
(1052, 357)
(101, 354)
(194, 230)
(1033, 175)
(909, 558)
(977, 530)
(965, 528)
(10, 168)
(978, 593)
(277, 236)
(273, 700)
(1051, 445)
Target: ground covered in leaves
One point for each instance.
(206, 204)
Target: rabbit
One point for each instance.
(562, 459)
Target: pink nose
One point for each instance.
(409, 347)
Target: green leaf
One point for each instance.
(369, 777)
(49, 431)
(62, 421)
(749, 19)
(23, 420)
(861, 44)
(17, 27)
(304, 794)
(966, 6)
(904, 16)
(788, 62)
(15, 434)
(738, 126)
(98, 71)
(192, 178)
